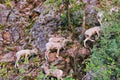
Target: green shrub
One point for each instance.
(104, 61)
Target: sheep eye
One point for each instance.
(87, 35)
(98, 17)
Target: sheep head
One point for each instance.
(35, 50)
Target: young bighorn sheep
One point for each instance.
(26, 53)
(94, 30)
(114, 10)
(55, 45)
(52, 72)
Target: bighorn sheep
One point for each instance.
(26, 53)
(114, 10)
(55, 45)
(56, 39)
(94, 30)
(52, 72)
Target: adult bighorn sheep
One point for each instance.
(94, 30)
(55, 43)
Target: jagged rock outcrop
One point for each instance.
(45, 25)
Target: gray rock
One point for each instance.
(7, 57)
(39, 9)
(44, 26)
(91, 14)
(15, 33)
(3, 16)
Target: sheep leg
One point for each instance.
(58, 53)
(16, 63)
(85, 42)
(91, 39)
(88, 38)
(26, 59)
(46, 54)
(64, 47)
(98, 34)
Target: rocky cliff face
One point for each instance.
(25, 24)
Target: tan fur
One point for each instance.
(56, 39)
(94, 30)
(90, 32)
(55, 44)
(24, 52)
(52, 72)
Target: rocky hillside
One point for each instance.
(29, 24)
